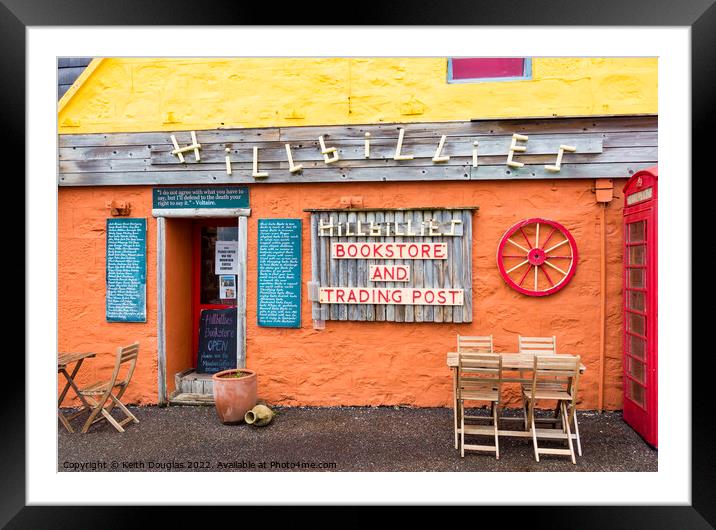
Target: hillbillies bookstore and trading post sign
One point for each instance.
(392, 265)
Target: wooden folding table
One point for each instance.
(63, 360)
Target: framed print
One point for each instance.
(366, 220)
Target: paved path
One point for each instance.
(332, 439)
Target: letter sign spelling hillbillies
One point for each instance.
(330, 154)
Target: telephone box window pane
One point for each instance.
(636, 300)
(637, 323)
(637, 231)
(637, 346)
(637, 255)
(636, 392)
(636, 278)
(636, 369)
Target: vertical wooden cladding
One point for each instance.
(455, 272)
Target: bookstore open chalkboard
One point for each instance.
(217, 340)
(279, 273)
(126, 270)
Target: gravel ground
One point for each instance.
(177, 438)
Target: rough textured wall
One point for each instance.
(358, 363)
(81, 262)
(146, 94)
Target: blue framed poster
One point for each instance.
(126, 270)
(279, 273)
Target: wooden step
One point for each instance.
(191, 382)
(188, 398)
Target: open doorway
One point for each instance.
(204, 273)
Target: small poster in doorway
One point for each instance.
(227, 257)
(227, 286)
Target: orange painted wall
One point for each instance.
(81, 261)
(178, 298)
(366, 363)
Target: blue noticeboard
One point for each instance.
(279, 273)
(126, 270)
(212, 197)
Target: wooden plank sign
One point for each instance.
(389, 250)
(126, 270)
(393, 273)
(398, 265)
(279, 273)
(396, 296)
(217, 340)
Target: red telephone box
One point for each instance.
(640, 304)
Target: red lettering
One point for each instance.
(389, 251)
(383, 296)
(361, 296)
(397, 296)
(365, 251)
(426, 251)
(340, 293)
(429, 297)
(416, 295)
(339, 250)
(376, 275)
(413, 251)
(327, 294)
(454, 294)
(400, 247)
(402, 273)
(377, 249)
(351, 297)
(352, 250)
(389, 273)
(439, 249)
(441, 297)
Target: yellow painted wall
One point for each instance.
(150, 94)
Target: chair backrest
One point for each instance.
(537, 345)
(479, 369)
(125, 354)
(474, 343)
(559, 371)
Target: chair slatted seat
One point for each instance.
(102, 393)
(555, 377)
(479, 378)
(469, 344)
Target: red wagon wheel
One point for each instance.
(537, 257)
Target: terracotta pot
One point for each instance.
(234, 396)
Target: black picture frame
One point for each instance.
(700, 16)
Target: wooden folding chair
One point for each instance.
(102, 392)
(535, 346)
(555, 377)
(479, 378)
(475, 344)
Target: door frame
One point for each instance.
(241, 214)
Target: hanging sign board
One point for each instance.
(227, 257)
(279, 273)
(217, 340)
(126, 270)
(200, 198)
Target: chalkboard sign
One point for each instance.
(126, 270)
(213, 197)
(217, 340)
(279, 273)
